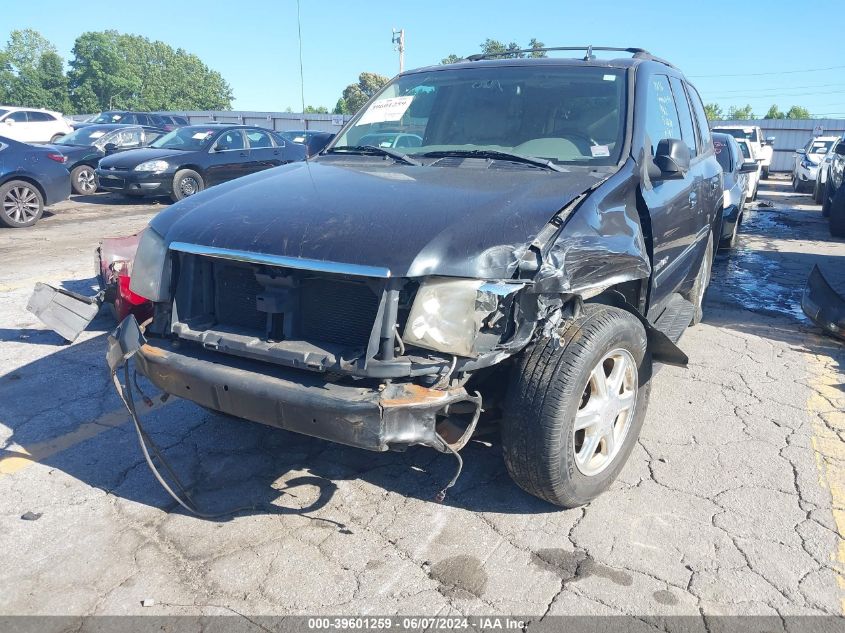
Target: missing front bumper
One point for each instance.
(392, 417)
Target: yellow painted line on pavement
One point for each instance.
(14, 461)
(825, 411)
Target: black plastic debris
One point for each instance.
(31, 516)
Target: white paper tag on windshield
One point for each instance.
(96, 134)
(599, 150)
(201, 135)
(390, 109)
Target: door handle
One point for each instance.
(243, 153)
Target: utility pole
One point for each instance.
(399, 45)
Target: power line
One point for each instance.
(779, 88)
(777, 95)
(301, 72)
(783, 72)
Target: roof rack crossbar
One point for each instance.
(640, 53)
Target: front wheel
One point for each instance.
(765, 173)
(22, 204)
(826, 199)
(56, 137)
(836, 217)
(186, 183)
(575, 406)
(83, 180)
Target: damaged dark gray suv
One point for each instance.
(509, 240)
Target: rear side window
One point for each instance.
(700, 117)
(661, 114)
(258, 139)
(39, 117)
(684, 114)
(723, 154)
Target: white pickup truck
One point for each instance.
(763, 147)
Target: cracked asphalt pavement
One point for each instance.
(733, 502)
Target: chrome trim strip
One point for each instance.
(281, 260)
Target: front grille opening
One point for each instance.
(279, 307)
(337, 310)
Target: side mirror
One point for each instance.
(110, 147)
(9, 121)
(672, 160)
(800, 151)
(748, 167)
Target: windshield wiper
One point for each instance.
(495, 155)
(372, 149)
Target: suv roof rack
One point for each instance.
(637, 53)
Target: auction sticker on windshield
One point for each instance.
(390, 109)
(201, 135)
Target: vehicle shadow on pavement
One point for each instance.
(106, 198)
(63, 413)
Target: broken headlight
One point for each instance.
(150, 277)
(448, 314)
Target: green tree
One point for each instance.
(340, 107)
(114, 70)
(774, 113)
(713, 111)
(739, 114)
(316, 109)
(535, 44)
(451, 59)
(798, 112)
(357, 94)
(32, 73)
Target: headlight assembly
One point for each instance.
(153, 165)
(447, 314)
(150, 275)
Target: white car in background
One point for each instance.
(824, 170)
(763, 147)
(32, 125)
(807, 159)
(753, 181)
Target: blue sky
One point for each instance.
(734, 53)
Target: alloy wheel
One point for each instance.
(607, 409)
(21, 204)
(87, 181)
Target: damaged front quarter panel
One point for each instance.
(600, 243)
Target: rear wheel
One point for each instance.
(817, 191)
(22, 204)
(56, 137)
(186, 183)
(83, 180)
(575, 406)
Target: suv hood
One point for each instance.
(414, 221)
(131, 158)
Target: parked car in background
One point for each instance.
(833, 199)
(313, 140)
(126, 117)
(189, 159)
(31, 177)
(552, 236)
(763, 147)
(806, 162)
(736, 169)
(172, 121)
(86, 146)
(753, 182)
(31, 125)
(392, 139)
(823, 171)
